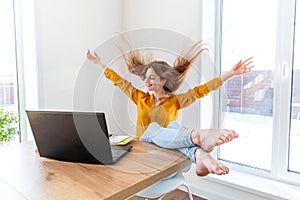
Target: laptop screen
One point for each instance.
(71, 136)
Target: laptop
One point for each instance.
(74, 136)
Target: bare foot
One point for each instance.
(206, 164)
(207, 139)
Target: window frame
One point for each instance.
(282, 92)
(27, 70)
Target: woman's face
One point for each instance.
(153, 82)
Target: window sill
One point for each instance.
(258, 185)
(238, 184)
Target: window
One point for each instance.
(17, 51)
(8, 69)
(262, 106)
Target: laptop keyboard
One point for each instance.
(117, 151)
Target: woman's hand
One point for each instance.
(242, 67)
(94, 58)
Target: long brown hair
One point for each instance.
(139, 61)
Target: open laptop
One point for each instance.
(74, 136)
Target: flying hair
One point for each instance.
(138, 61)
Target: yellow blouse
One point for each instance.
(167, 110)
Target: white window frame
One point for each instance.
(26, 62)
(282, 87)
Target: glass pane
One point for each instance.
(294, 161)
(8, 83)
(248, 100)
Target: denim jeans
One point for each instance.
(172, 137)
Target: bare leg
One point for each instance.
(206, 164)
(207, 139)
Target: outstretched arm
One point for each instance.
(242, 67)
(117, 80)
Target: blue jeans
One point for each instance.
(172, 137)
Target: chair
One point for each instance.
(160, 189)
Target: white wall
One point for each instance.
(64, 31)
(178, 15)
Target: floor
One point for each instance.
(176, 195)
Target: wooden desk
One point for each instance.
(25, 175)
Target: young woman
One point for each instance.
(157, 109)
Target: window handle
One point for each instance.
(284, 68)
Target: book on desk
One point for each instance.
(116, 139)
